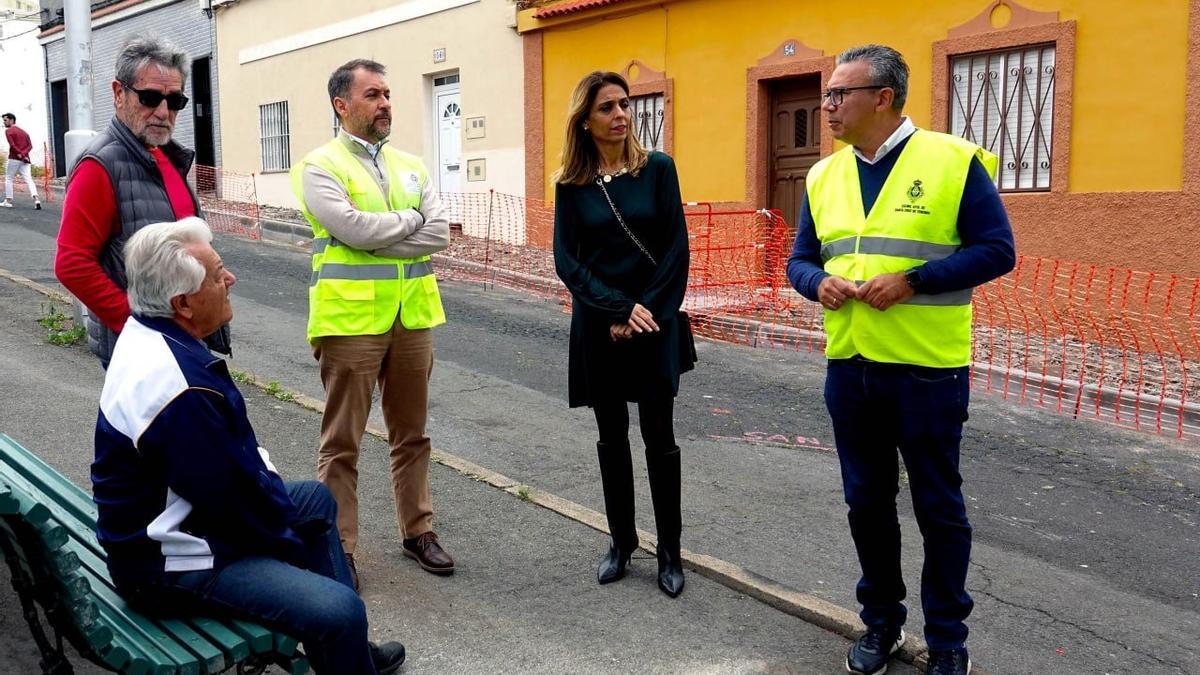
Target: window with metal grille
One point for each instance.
(648, 113)
(273, 136)
(1004, 101)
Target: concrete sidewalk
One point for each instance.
(524, 598)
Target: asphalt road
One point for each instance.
(1087, 550)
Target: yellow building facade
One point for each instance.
(1088, 102)
(454, 68)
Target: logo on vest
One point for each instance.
(914, 193)
(412, 183)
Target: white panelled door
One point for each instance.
(449, 137)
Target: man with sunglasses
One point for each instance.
(132, 174)
(894, 232)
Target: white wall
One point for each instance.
(23, 82)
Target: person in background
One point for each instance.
(621, 248)
(19, 147)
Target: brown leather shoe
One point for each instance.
(353, 570)
(429, 554)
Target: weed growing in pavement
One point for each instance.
(523, 493)
(241, 376)
(279, 392)
(61, 328)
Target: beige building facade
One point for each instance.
(454, 67)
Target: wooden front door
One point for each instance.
(795, 141)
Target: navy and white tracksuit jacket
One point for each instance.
(179, 479)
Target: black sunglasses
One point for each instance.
(151, 98)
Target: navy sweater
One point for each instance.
(179, 479)
(987, 240)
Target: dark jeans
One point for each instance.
(315, 603)
(876, 409)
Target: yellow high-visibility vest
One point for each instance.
(914, 220)
(354, 292)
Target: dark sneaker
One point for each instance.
(870, 654)
(949, 662)
(37, 203)
(387, 657)
(429, 554)
(353, 570)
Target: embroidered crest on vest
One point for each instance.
(916, 191)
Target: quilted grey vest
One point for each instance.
(142, 200)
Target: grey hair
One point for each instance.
(159, 267)
(888, 69)
(343, 77)
(142, 50)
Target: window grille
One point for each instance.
(1004, 101)
(273, 136)
(648, 113)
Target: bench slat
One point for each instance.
(35, 500)
(51, 481)
(211, 658)
(285, 645)
(143, 640)
(231, 643)
(8, 503)
(261, 640)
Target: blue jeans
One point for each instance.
(315, 604)
(876, 409)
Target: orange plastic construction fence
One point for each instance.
(1117, 345)
(229, 200)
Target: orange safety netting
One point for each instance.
(1118, 345)
(229, 200)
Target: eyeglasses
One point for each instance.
(836, 96)
(151, 98)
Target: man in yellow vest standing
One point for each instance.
(372, 301)
(894, 232)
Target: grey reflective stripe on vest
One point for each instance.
(321, 243)
(354, 272)
(948, 299)
(418, 269)
(899, 248)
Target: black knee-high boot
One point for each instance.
(664, 470)
(616, 474)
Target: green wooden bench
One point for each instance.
(48, 537)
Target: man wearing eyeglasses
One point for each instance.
(132, 174)
(894, 232)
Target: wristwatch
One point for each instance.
(913, 277)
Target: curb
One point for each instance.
(811, 609)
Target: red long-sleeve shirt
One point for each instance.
(19, 145)
(90, 218)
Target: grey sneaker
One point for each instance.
(869, 655)
(949, 662)
(6, 204)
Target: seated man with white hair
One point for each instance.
(193, 515)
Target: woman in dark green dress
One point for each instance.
(621, 248)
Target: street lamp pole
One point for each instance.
(77, 21)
